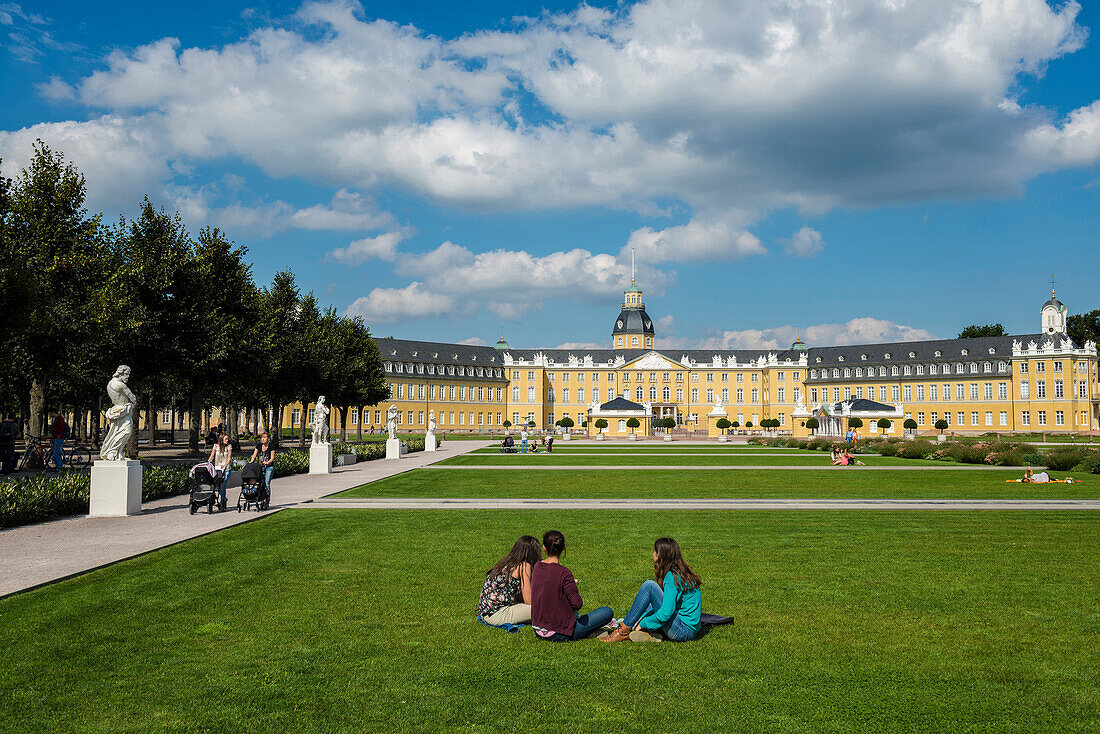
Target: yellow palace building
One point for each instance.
(1040, 382)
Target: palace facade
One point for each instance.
(1040, 382)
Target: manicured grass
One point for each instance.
(659, 448)
(806, 458)
(742, 483)
(352, 621)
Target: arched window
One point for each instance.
(859, 372)
(652, 394)
(639, 394)
(666, 394)
(894, 370)
(836, 373)
(633, 341)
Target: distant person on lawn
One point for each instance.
(673, 607)
(506, 594)
(555, 602)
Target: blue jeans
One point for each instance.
(225, 482)
(523, 446)
(269, 472)
(586, 624)
(649, 599)
(58, 444)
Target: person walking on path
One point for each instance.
(264, 454)
(57, 438)
(221, 456)
(7, 444)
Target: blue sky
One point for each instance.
(874, 172)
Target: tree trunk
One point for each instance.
(151, 420)
(276, 427)
(35, 408)
(196, 416)
(302, 430)
(172, 435)
(97, 414)
(231, 424)
(344, 424)
(360, 424)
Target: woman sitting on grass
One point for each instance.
(836, 460)
(506, 595)
(673, 610)
(846, 459)
(556, 601)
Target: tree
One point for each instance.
(941, 425)
(855, 423)
(748, 424)
(909, 424)
(632, 423)
(62, 249)
(974, 330)
(566, 423)
(722, 424)
(734, 424)
(601, 424)
(1083, 327)
(507, 423)
(812, 423)
(884, 424)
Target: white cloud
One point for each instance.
(695, 241)
(56, 89)
(731, 110)
(382, 247)
(806, 242)
(580, 345)
(864, 330)
(473, 341)
(390, 305)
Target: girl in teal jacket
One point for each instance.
(671, 607)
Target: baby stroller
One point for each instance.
(254, 491)
(204, 488)
(508, 445)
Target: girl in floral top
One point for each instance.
(506, 595)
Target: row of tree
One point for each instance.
(80, 297)
(1080, 327)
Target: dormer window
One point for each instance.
(992, 350)
(840, 358)
(938, 353)
(887, 355)
(912, 354)
(414, 353)
(965, 352)
(863, 357)
(816, 359)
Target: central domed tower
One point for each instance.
(633, 329)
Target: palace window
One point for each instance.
(813, 375)
(882, 372)
(530, 375)
(1002, 390)
(882, 393)
(931, 369)
(652, 394)
(847, 372)
(894, 370)
(859, 393)
(908, 393)
(1023, 367)
(1059, 418)
(781, 394)
(836, 395)
(836, 373)
(1059, 389)
(1040, 388)
(565, 395)
(779, 376)
(530, 394)
(755, 377)
(847, 393)
(907, 370)
(679, 378)
(894, 393)
(633, 341)
(1040, 366)
(666, 394)
(1025, 418)
(973, 417)
(989, 418)
(932, 392)
(595, 377)
(755, 395)
(859, 372)
(813, 395)
(1058, 365)
(1004, 418)
(920, 369)
(679, 396)
(580, 394)
(960, 392)
(1025, 391)
(1042, 417)
(740, 395)
(920, 419)
(973, 391)
(725, 395)
(988, 390)
(1082, 389)
(639, 394)
(695, 395)
(936, 417)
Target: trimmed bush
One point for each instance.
(1065, 458)
(812, 424)
(916, 449)
(887, 448)
(292, 461)
(722, 424)
(164, 481)
(1091, 465)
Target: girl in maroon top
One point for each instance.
(555, 601)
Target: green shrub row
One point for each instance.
(43, 497)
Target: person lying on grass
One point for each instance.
(506, 594)
(1031, 476)
(674, 610)
(556, 602)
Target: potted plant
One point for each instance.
(884, 425)
(507, 424)
(668, 424)
(632, 423)
(735, 425)
(941, 425)
(601, 423)
(910, 426)
(722, 425)
(566, 423)
(813, 424)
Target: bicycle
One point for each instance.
(39, 455)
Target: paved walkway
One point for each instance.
(400, 503)
(33, 555)
(719, 467)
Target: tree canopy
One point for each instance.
(976, 330)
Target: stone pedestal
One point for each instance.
(565, 436)
(668, 437)
(320, 458)
(632, 437)
(722, 438)
(599, 437)
(429, 442)
(393, 448)
(941, 437)
(346, 459)
(116, 488)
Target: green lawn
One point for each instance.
(352, 621)
(805, 458)
(742, 483)
(659, 448)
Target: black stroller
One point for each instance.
(254, 491)
(508, 445)
(204, 489)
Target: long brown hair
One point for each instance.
(669, 559)
(525, 550)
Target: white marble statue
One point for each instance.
(320, 421)
(391, 421)
(121, 416)
(718, 404)
(431, 422)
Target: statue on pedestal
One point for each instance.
(121, 416)
(320, 421)
(391, 421)
(431, 423)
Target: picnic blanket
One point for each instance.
(1067, 480)
(507, 627)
